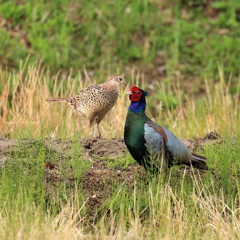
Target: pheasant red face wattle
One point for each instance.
(136, 94)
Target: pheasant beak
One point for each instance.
(129, 93)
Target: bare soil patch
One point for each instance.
(97, 181)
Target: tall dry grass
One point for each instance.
(23, 106)
(172, 216)
(218, 110)
(201, 214)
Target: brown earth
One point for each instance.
(97, 180)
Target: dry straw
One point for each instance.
(23, 105)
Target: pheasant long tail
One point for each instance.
(63, 99)
(70, 100)
(199, 161)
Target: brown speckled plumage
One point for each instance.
(95, 101)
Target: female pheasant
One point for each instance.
(94, 102)
(152, 145)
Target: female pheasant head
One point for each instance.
(116, 80)
(138, 101)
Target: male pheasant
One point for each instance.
(152, 145)
(95, 101)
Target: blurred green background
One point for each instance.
(160, 38)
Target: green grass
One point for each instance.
(180, 206)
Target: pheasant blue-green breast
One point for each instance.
(152, 145)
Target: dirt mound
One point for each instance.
(199, 143)
(95, 147)
(92, 146)
(97, 181)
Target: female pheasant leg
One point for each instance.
(91, 127)
(92, 131)
(99, 133)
